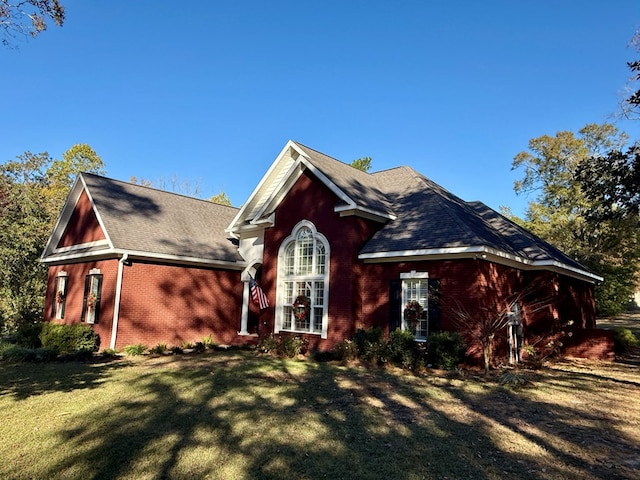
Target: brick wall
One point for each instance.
(159, 303)
(174, 304)
(75, 294)
(83, 226)
(590, 343)
(310, 200)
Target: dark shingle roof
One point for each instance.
(360, 186)
(430, 218)
(143, 219)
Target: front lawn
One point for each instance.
(236, 415)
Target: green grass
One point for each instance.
(235, 415)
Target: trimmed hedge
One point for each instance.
(445, 350)
(69, 339)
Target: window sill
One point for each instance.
(247, 334)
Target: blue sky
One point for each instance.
(211, 91)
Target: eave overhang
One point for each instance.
(72, 256)
(480, 253)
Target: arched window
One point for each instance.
(303, 282)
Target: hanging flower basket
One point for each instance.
(302, 307)
(59, 296)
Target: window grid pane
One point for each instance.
(320, 259)
(418, 290)
(289, 259)
(317, 319)
(287, 316)
(305, 252)
(305, 269)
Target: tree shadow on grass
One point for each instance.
(23, 380)
(238, 416)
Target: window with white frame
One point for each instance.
(303, 281)
(415, 303)
(92, 296)
(60, 296)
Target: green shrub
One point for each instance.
(445, 350)
(624, 339)
(109, 352)
(159, 349)
(268, 344)
(283, 345)
(134, 350)
(177, 350)
(376, 352)
(199, 347)
(28, 335)
(208, 342)
(345, 350)
(369, 336)
(69, 339)
(290, 346)
(18, 353)
(402, 348)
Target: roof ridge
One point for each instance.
(330, 157)
(155, 189)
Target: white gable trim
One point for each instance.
(70, 204)
(265, 197)
(252, 201)
(82, 246)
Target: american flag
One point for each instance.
(257, 294)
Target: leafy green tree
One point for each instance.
(33, 189)
(24, 227)
(363, 164)
(28, 17)
(221, 198)
(562, 212)
(62, 173)
(612, 183)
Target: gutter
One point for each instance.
(116, 306)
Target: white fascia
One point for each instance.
(403, 254)
(480, 252)
(248, 205)
(279, 192)
(82, 246)
(350, 207)
(348, 210)
(146, 256)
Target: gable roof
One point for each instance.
(420, 219)
(358, 192)
(148, 223)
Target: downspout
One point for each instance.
(116, 306)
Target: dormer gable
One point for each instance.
(357, 191)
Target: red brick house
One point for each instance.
(333, 248)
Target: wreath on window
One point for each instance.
(301, 307)
(412, 312)
(91, 300)
(59, 296)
